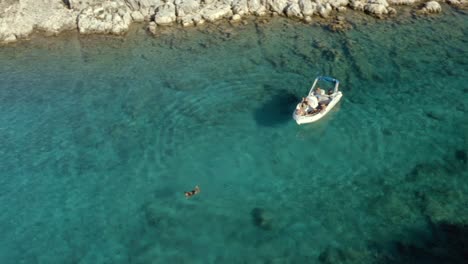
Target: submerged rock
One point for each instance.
(339, 25)
(262, 218)
(460, 155)
(333, 255)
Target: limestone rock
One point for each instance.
(19, 18)
(236, 17)
(79, 5)
(215, 12)
(186, 21)
(165, 14)
(324, 10)
(278, 6)
(341, 9)
(240, 7)
(152, 27)
(187, 7)
(107, 17)
(198, 20)
(308, 8)
(458, 3)
(376, 7)
(357, 5)
(337, 3)
(145, 7)
(293, 10)
(402, 2)
(256, 7)
(137, 16)
(431, 7)
(339, 25)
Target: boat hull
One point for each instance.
(312, 118)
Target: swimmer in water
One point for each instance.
(196, 190)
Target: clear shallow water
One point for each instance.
(101, 136)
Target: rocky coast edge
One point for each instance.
(19, 18)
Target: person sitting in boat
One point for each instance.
(319, 91)
(312, 101)
(301, 110)
(323, 106)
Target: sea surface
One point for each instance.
(100, 136)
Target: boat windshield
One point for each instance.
(325, 86)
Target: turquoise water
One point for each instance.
(100, 137)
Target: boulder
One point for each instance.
(458, 3)
(431, 7)
(324, 10)
(278, 6)
(256, 7)
(152, 27)
(341, 9)
(357, 5)
(165, 14)
(58, 22)
(187, 7)
(402, 2)
(186, 21)
(293, 10)
(137, 16)
(198, 20)
(215, 12)
(376, 7)
(145, 7)
(236, 17)
(107, 17)
(337, 3)
(79, 5)
(308, 8)
(240, 7)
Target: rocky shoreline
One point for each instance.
(19, 18)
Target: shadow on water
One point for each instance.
(276, 110)
(445, 243)
(448, 243)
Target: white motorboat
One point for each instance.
(320, 100)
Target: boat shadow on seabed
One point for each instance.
(276, 110)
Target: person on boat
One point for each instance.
(193, 192)
(312, 101)
(319, 91)
(323, 106)
(300, 111)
